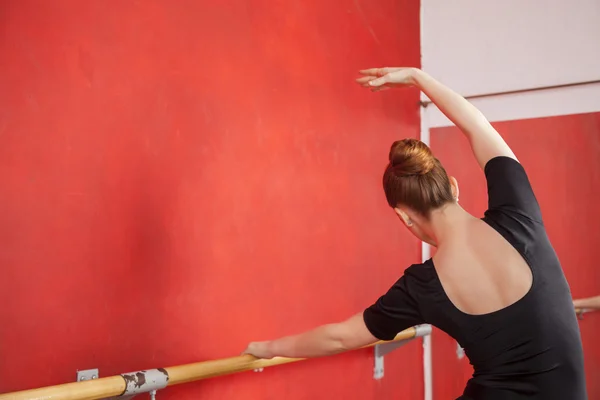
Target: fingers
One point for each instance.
(248, 350)
(249, 353)
(379, 81)
(364, 81)
(380, 71)
(374, 71)
(367, 81)
(379, 88)
(370, 81)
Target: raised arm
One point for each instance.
(485, 141)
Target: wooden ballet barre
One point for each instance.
(128, 384)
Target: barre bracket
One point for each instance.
(87, 375)
(380, 350)
(146, 381)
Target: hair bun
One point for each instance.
(411, 157)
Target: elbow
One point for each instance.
(337, 346)
(349, 335)
(346, 345)
(341, 340)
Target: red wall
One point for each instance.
(179, 178)
(562, 158)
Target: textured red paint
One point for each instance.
(180, 177)
(562, 158)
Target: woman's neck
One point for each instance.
(445, 222)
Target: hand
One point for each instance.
(386, 78)
(259, 350)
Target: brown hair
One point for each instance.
(415, 178)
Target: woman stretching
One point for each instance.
(495, 284)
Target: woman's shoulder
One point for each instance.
(509, 190)
(423, 272)
(421, 281)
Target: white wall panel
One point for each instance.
(490, 46)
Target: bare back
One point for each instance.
(480, 271)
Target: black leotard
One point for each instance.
(528, 350)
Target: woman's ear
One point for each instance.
(404, 217)
(454, 188)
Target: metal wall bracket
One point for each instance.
(87, 375)
(151, 395)
(148, 381)
(382, 349)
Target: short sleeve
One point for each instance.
(509, 188)
(394, 311)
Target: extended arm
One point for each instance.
(322, 341)
(590, 303)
